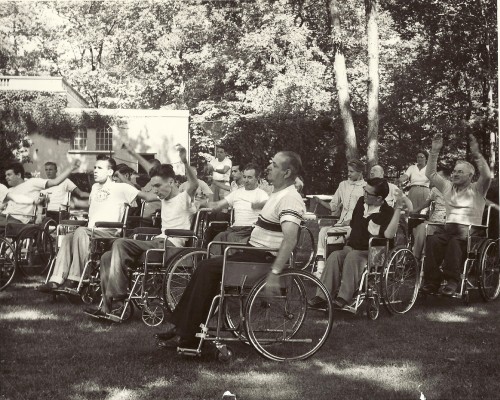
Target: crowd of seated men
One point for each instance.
(365, 209)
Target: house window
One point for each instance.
(104, 139)
(79, 142)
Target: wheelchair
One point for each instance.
(481, 266)
(88, 288)
(280, 327)
(25, 248)
(391, 277)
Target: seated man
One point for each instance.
(246, 204)
(378, 172)
(220, 167)
(203, 193)
(371, 217)
(106, 204)
(277, 227)
(176, 211)
(19, 212)
(342, 205)
(58, 195)
(465, 203)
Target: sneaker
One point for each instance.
(48, 287)
(317, 303)
(430, 288)
(450, 288)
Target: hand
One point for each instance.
(272, 287)
(75, 165)
(437, 143)
(182, 153)
(474, 146)
(398, 198)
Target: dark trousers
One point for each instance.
(448, 247)
(204, 285)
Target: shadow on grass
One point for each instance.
(51, 350)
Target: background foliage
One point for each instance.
(258, 76)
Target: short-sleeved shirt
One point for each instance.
(241, 201)
(107, 202)
(417, 176)
(216, 164)
(439, 212)
(30, 188)
(234, 186)
(202, 192)
(58, 195)
(3, 192)
(176, 213)
(285, 205)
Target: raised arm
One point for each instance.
(140, 159)
(431, 168)
(67, 172)
(191, 178)
(484, 180)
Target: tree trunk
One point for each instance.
(373, 81)
(342, 84)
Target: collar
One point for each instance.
(367, 212)
(361, 182)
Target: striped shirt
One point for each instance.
(285, 205)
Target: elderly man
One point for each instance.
(465, 203)
(245, 202)
(342, 205)
(277, 227)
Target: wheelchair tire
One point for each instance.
(178, 275)
(8, 263)
(283, 327)
(305, 250)
(91, 293)
(400, 280)
(489, 271)
(373, 307)
(153, 314)
(34, 250)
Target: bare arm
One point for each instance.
(431, 168)
(191, 178)
(221, 185)
(403, 178)
(290, 233)
(222, 170)
(218, 205)
(484, 180)
(81, 194)
(140, 159)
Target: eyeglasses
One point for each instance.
(370, 194)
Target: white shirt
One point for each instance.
(216, 164)
(241, 200)
(176, 213)
(346, 197)
(417, 176)
(3, 192)
(30, 188)
(107, 202)
(58, 195)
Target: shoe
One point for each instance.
(317, 303)
(69, 284)
(339, 302)
(430, 288)
(450, 288)
(48, 287)
(94, 312)
(167, 335)
(177, 341)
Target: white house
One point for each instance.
(151, 133)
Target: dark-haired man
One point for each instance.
(58, 195)
(277, 227)
(371, 217)
(14, 175)
(177, 209)
(220, 167)
(106, 204)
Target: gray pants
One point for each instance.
(73, 254)
(234, 234)
(343, 271)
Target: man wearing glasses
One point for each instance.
(371, 217)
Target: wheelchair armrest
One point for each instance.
(336, 234)
(105, 224)
(233, 246)
(146, 231)
(179, 232)
(73, 222)
(218, 223)
(378, 241)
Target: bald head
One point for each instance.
(376, 172)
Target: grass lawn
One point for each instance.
(443, 349)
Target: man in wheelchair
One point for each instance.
(177, 209)
(465, 203)
(276, 227)
(106, 204)
(372, 216)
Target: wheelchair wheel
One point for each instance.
(91, 293)
(373, 307)
(489, 271)
(35, 249)
(153, 312)
(233, 308)
(400, 281)
(8, 263)
(282, 327)
(178, 275)
(305, 250)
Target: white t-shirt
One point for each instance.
(219, 165)
(30, 188)
(107, 202)
(417, 176)
(58, 195)
(3, 192)
(202, 192)
(176, 213)
(241, 200)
